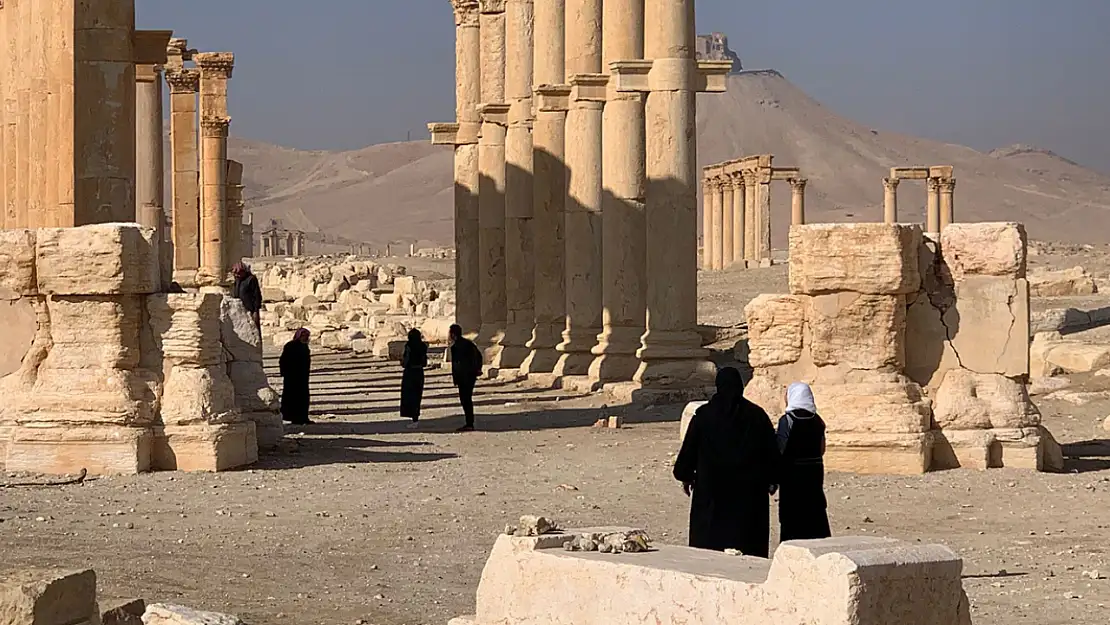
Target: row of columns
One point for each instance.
(939, 204)
(564, 204)
(736, 216)
(276, 243)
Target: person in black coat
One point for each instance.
(295, 365)
(803, 513)
(414, 360)
(466, 367)
(729, 460)
(248, 291)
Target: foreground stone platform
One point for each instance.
(838, 581)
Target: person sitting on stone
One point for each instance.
(803, 511)
(413, 362)
(729, 459)
(295, 366)
(248, 291)
(466, 367)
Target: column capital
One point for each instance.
(552, 98)
(215, 126)
(466, 13)
(891, 183)
(215, 64)
(798, 184)
(764, 175)
(713, 183)
(737, 180)
(183, 80)
(490, 7)
(750, 177)
(932, 184)
(148, 73)
(947, 185)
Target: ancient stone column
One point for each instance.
(763, 218)
(468, 95)
(706, 224)
(947, 210)
(491, 184)
(932, 206)
(797, 201)
(716, 197)
(236, 249)
(751, 253)
(739, 216)
(623, 179)
(520, 270)
(584, 187)
(213, 202)
(890, 200)
(185, 168)
(148, 145)
(671, 354)
(727, 225)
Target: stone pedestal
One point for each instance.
(797, 201)
(739, 217)
(623, 179)
(185, 167)
(947, 214)
(549, 187)
(932, 206)
(890, 200)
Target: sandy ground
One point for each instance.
(368, 520)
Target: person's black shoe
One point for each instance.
(466, 428)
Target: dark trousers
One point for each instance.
(466, 398)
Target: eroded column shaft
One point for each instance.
(468, 95)
(491, 184)
(890, 200)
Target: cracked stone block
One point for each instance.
(977, 401)
(989, 325)
(879, 453)
(885, 403)
(1015, 448)
(17, 264)
(104, 259)
(857, 331)
(985, 249)
(877, 259)
(775, 329)
(929, 354)
(48, 597)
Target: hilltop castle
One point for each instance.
(714, 47)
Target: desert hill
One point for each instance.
(403, 191)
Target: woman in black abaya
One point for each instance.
(295, 365)
(801, 436)
(413, 361)
(729, 460)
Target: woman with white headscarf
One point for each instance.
(801, 437)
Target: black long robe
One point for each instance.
(295, 365)
(414, 360)
(803, 511)
(730, 456)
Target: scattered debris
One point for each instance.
(630, 541)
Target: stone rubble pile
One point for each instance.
(350, 303)
(917, 350)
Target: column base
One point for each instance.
(575, 352)
(514, 348)
(674, 360)
(616, 359)
(216, 447)
(544, 356)
(489, 341)
(99, 449)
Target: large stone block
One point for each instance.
(776, 325)
(101, 450)
(980, 401)
(880, 454)
(989, 325)
(187, 328)
(872, 258)
(867, 402)
(65, 397)
(1016, 448)
(199, 447)
(165, 614)
(17, 264)
(857, 331)
(122, 612)
(19, 319)
(48, 597)
(929, 353)
(95, 332)
(1063, 283)
(194, 395)
(984, 249)
(240, 336)
(105, 259)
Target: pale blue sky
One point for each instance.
(332, 74)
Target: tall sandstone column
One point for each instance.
(706, 224)
(549, 185)
(739, 217)
(797, 201)
(763, 218)
(215, 72)
(947, 209)
(890, 200)
(491, 184)
(468, 92)
(584, 190)
(150, 57)
(519, 256)
(185, 171)
(716, 224)
(932, 205)
(727, 225)
(236, 246)
(7, 121)
(623, 179)
(751, 248)
(671, 354)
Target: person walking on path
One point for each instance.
(248, 291)
(295, 365)
(729, 460)
(414, 360)
(803, 513)
(466, 367)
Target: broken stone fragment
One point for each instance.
(166, 614)
(532, 525)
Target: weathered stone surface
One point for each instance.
(94, 332)
(687, 415)
(122, 612)
(166, 614)
(17, 264)
(187, 327)
(877, 259)
(870, 453)
(775, 329)
(196, 395)
(204, 447)
(989, 325)
(971, 401)
(48, 597)
(1018, 448)
(1074, 357)
(984, 249)
(240, 336)
(20, 322)
(1063, 283)
(857, 331)
(106, 259)
(929, 353)
(873, 403)
(101, 450)
(1043, 342)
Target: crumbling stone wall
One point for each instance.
(917, 350)
(108, 373)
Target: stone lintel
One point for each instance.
(445, 133)
(631, 76)
(943, 172)
(712, 76)
(589, 87)
(785, 173)
(494, 113)
(150, 46)
(909, 173)
(552, 98)
(215, 64)
(147, 73)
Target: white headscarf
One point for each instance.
(800, 397)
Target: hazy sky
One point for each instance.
(337, 74)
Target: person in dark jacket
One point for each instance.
(803, 511)
(414, 360)
(729, 459)
(295, 365)
(248, 291)
(466, 367)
